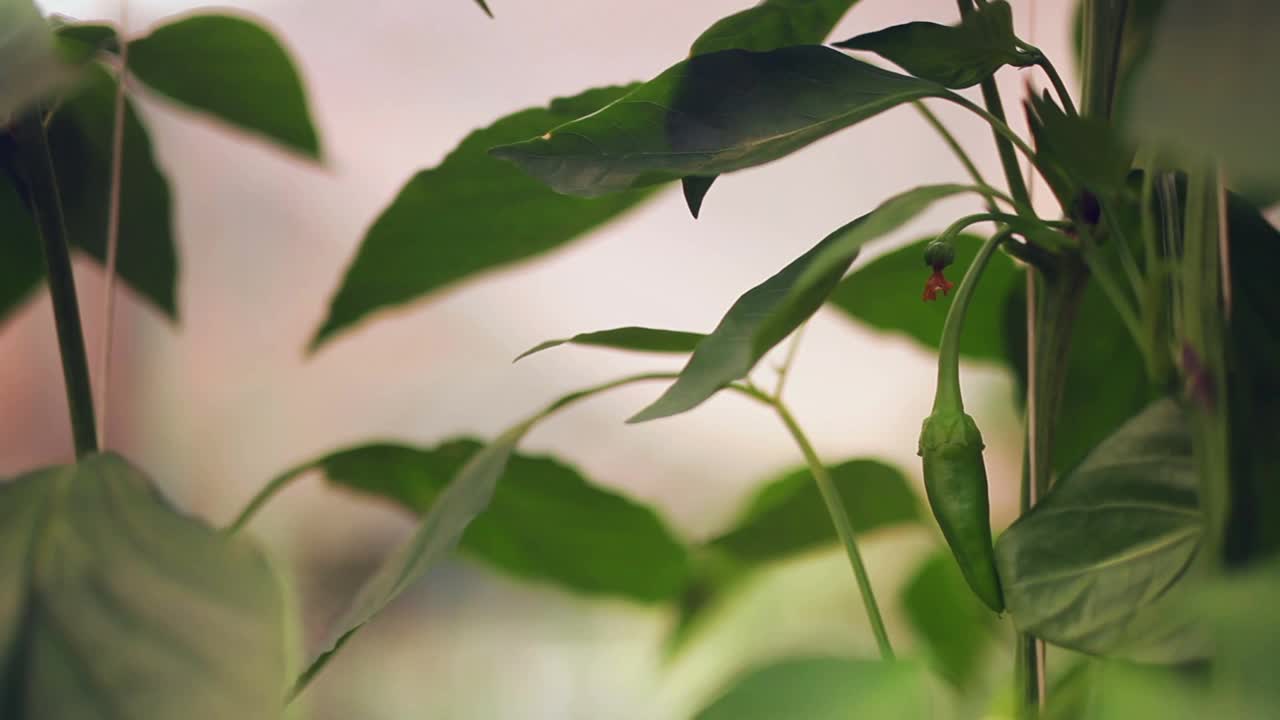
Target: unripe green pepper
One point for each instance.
(955, 480)
(955, 477)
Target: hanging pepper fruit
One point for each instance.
(955, 477)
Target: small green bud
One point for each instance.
(938, 255)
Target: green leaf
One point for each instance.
(1208, 86)
(885, 294)
(954, 628)
(713, 114)
(30, 65)
(787, 517)
(21, 262)
(825, 689)
(957, 56)
(81, 42)
(545, 521)
(770, 311)
(773, 24)
(1096, 563)
(485, 7)
(233, 69)
(467, 495)
(470, 214)
(1077, 152)
(695, 188)
(130, 609)
(80, 141)
(639, 339)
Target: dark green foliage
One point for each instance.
(638, 339)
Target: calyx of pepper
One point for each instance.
(949, 430)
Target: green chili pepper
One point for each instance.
(955, 477)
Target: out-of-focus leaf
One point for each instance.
(80, 141)
(467, 495)
(470, 214)
(80, 42)
(770, 311)
(1208, 86)
(713, 114)
(21, 263)
(639, 339)
(885, 294)
(30, 66)
(545, 521)
(952, 625)
(825, 689)
(1095, 565)
(128, 608)
(485, 7)
(233, 69)
(958, 56)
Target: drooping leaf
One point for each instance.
(953, 626)
(80, 141)
(713, 114)
(233, 69)
(1094, 565)
(129, 609)
(773, 24)
(784, 519)
(825, 689)
(545, 521)
(639, 339)
(1077, 153)
(470, 214)
(30, 66)
(485, 7)
(695, 188)
(787, 516)
(1207, 86)
(21, 262)
(770, 311)
(467, 495)
(958, 56)
(885, 294)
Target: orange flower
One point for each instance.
(937, 281)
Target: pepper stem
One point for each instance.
(948, 392)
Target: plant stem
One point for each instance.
(844, 527)
(948, 391)
(1002, 129)
(46, 204)
(953, 144)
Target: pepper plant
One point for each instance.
(1137, 316)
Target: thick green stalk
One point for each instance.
(46, 204)
(948, 392)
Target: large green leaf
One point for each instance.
(885, 294)
(957, 56)
(825, 689)
(639, 339)
(128, 609)
(1092, 565)
(769, 25)
(770, 311)
(1208, 85)
(544, 522)
(231, 68)
(954, 628)
(470, 214)
(30, 66)
(785, 518)
(468, 494)
(713, 114)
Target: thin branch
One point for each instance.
(113, 231)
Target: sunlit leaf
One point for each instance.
(470, 214)
(958, 56)
(769, 312)
(233, 69)
(713, 114)
(1094, 564)
(129, 608)
(638, 339)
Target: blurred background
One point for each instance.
(216, 405)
